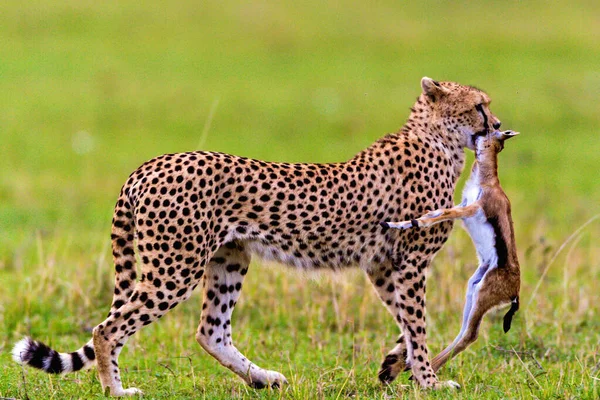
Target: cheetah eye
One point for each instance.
(479, 108)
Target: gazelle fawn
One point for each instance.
(485, 210)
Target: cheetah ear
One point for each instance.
(433, 89)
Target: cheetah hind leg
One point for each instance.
(222, 287)
(396, 361)
(110, 336)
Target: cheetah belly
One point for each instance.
(483, 237)
(274, 252)
(301, 256)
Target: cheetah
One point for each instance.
(485, 211)
(197, 217)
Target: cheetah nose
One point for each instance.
(497, 125)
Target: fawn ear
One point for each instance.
(508, 134)
(433, 89)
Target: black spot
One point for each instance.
(118, 304)
(233, 267)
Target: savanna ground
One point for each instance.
(89, 90)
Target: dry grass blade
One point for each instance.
(526, 369)
(560, 249)
(207, 124)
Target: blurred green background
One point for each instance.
(89, 90)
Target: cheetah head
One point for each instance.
(464, 111)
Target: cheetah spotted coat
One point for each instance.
(196, 218)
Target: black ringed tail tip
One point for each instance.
(38, 355)
(384, 224)
(414, 223)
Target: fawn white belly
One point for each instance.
(471, 192)
(483, 237)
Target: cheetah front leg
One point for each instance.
(408, 279)
(222, 287)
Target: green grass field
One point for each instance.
(90, 90)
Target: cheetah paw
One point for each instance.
(127, 392)
(446, 384)
(391, 366)
(268, 378)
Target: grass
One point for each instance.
(88, 91)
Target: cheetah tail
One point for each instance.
(38, 355)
